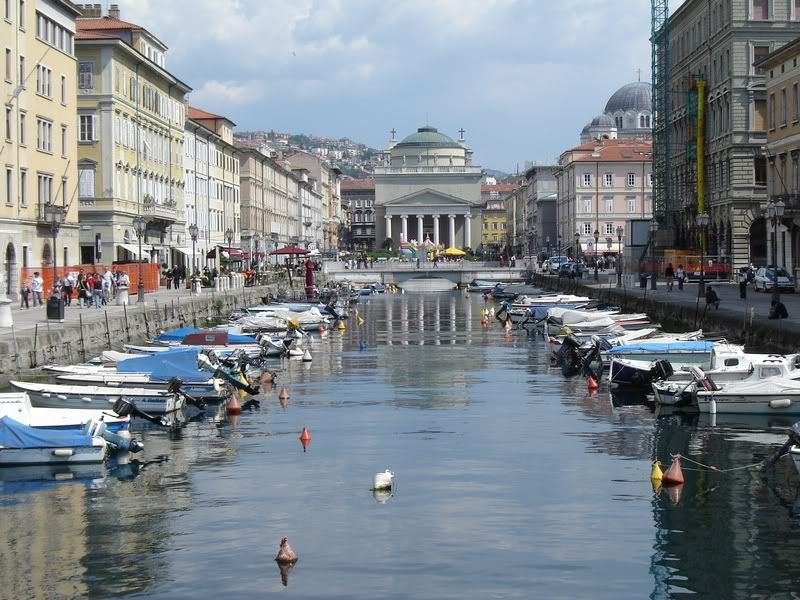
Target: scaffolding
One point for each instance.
(662, 197)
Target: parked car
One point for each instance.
(555, 263)
(766, 279)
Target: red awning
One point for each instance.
(227, 253)
(290, 250)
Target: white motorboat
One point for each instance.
(21, 444)
(82, 397)
(209, 391)
(550, 300)
(18, 407)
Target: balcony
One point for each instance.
(428, 170)
(160, 215)
(792, 201)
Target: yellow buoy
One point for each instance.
(340, 326)
(360, 321)
(656, 473)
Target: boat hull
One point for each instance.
(766, 404)
(52, 456)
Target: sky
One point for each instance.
(522, 77)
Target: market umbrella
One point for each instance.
(290, 250)
(454, 252)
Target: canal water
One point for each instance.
(512, 482)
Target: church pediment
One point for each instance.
(428, 197)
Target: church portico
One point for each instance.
(448, 226)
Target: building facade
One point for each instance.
(428, 177)
(718, 43)
(130, 118)
(517, 221)
(541, 198)
(358, 197)
(328, 178)
(38, 148)
(493, 217)
(602, 185)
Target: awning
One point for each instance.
(184, 251)
(134, 249)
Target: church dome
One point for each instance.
(637, 97)
(429, 137)
(601, 121)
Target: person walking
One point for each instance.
(25, 292)
(742, 277)
(37, 287)
(97, 286)
(69, 286)
(83, 290)
(681, 276)
(669, 273)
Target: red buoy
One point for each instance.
(305, 438)
(592, 384)
(284, 393)
(673, 475)
(233, 407)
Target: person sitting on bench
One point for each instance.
(777, 310)
(712, 298)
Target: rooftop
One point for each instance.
(613, 151)
(348, 185)
(429, 137)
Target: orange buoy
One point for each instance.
(321, 330)
(592, 384)
(305, 438)
(673, 475)
(284, 394)
(233, 407)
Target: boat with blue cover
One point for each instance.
(684, 352)
(18, 407)
(21, 444)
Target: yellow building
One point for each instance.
(37, 149)
(493, 217)
(131, 114)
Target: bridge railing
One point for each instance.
(337, 266)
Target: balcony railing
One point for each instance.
(434, 170)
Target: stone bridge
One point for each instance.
(459, 273)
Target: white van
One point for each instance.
(555, 263)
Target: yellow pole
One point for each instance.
(701, 175)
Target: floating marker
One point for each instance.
(361, 321)
(340, 326)
(656, 474)
(285, 553)
(673, 475)
(233, 407)
(383, 481)
(592, 384)
(283, 394)
(307, 356)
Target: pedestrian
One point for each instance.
(37, 287)
(778, 310)
(83, 290)
(176, 277)
(97, 286)
(742, 277)
(712, 298)
(25, 292)
(108, 286)
(69, 286)
(669, 273)
(681, 276)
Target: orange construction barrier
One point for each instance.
(151, 274)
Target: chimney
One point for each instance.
(113, 11)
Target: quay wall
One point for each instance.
(757, 334)
(23, 351)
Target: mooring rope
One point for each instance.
(712, 467)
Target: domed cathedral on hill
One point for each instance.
(428, 177)
(628, 115)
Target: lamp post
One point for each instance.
(256, 240)
(140, 225)
(596, 242)
(547, 241)
(775, 211)
(653, 231)
(620, 231)
(702, 222)
(55, 216)
(193, 232)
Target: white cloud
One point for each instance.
(214, 93)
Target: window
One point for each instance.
(618, 122)
(8, 65)
(87, 128)
(44, 189)
(63, 89)
(44, 81)
(609, 201)
(609, 228)
(772, 111)
(795, 174)
(587, 229)
(759, 10)
(494, 225)
(608, 179)
(86, 181)
(644, 121)
(631, 180)
(23, 187)
(22, 71)
(44, 135)
(759, 115)
(9, 185)
(587, 205)
(8, 123)
(8, 10)
(22, 134)
(783, 107)
(86, 75)
(796, 10)
(760, 170)
(759, 52)
(22, 14)
(632, 205)
(587, 180)
(795, 101)
(64, 141)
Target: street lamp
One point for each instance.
(140, 225)
(775, 212)
(256, 240)
(702, 222)
(620, 231)
(596, 241)
(193, 232)
(55, 216)
(577, 245)
(653, 231)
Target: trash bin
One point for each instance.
(55, 308)
(643, 280)
(122, 295)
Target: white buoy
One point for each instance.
(780, 403)
(491, 311)
(307, 356)
(383, 481)
(712, 406)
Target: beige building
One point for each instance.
(38, 148)
(329, 178)
(131, 114)
(212, 197)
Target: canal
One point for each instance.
(512, 482)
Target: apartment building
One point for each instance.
(493, 217)
(130, 117)
(38, 149)
(541, 197)
(329, 178)
(358, 197)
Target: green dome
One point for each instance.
(429, 137)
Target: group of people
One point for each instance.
(90, 289)
(671, 275)
(174, 277)
(355, 263)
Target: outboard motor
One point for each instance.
(125, 408)
(174, 387)
(118, 442)
(216, 371)
(661, 370)
(590, 356)
(794, 440)
(569, 356)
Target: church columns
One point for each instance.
(404, 220)
(419, 229)
(388, 226)
(436, 229)
(452, 239)
(467, 231)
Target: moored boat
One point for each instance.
(24, 445)
(81, 397)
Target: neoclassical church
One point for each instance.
(428, 188)
(628, 115)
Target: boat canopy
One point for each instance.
(14, 434)
(177, 335)
(163, 366)
(663, 347)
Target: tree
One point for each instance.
(387, 244)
